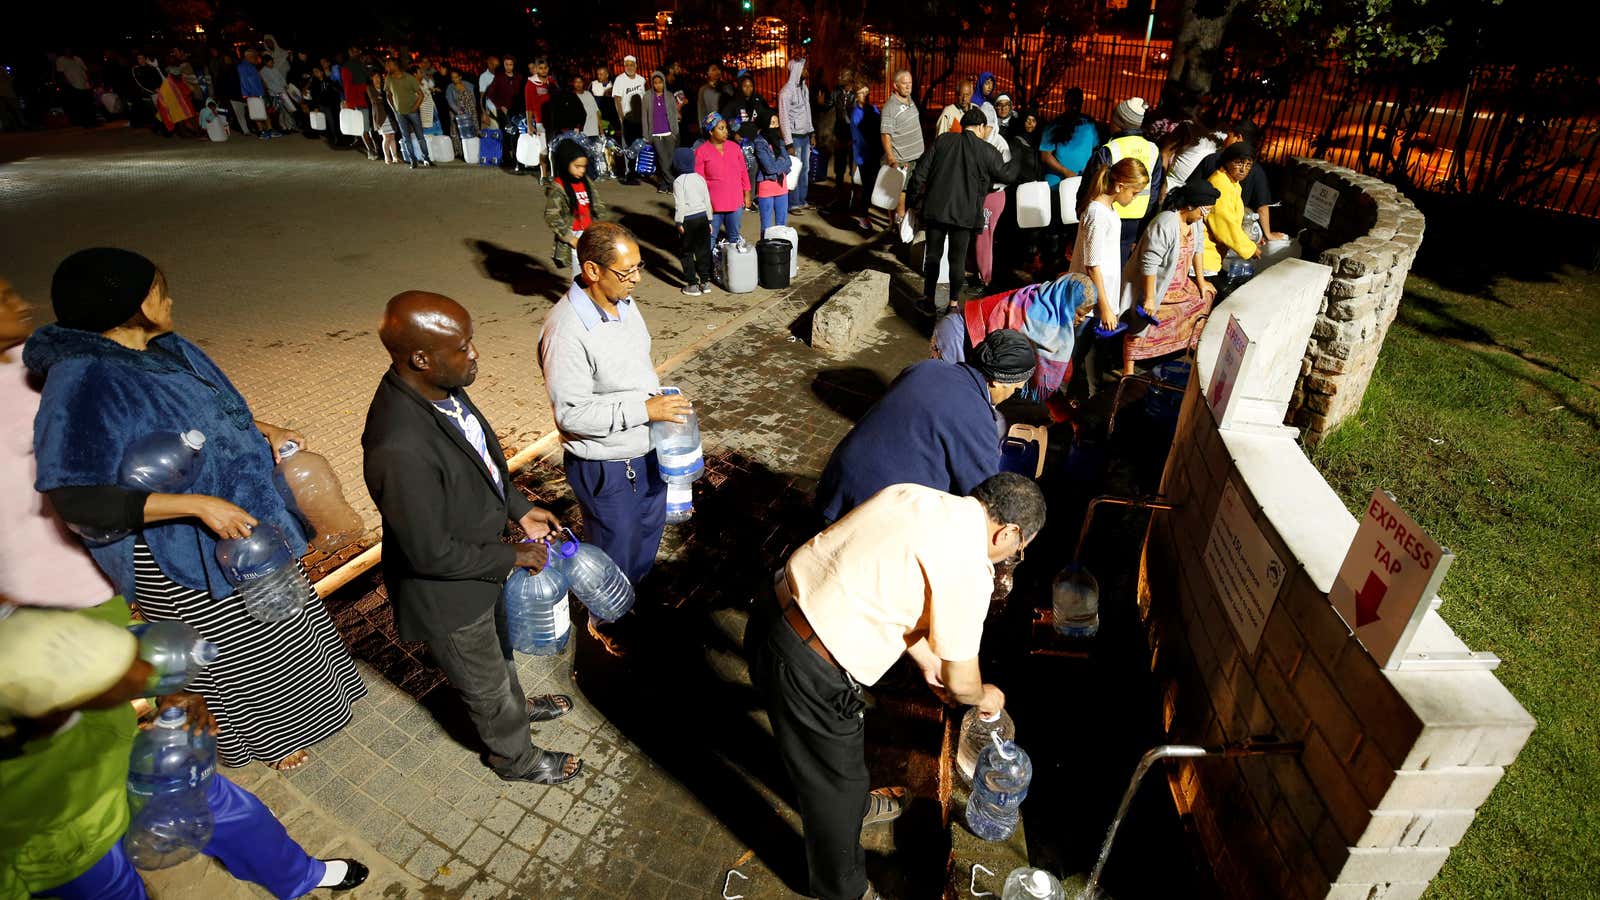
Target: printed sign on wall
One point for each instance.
(1244, 570)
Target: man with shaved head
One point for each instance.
(595, 355)
(439, 478)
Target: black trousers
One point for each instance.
(816, 713)
(955, 240)
(695, 250)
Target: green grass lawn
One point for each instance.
(1482, 420)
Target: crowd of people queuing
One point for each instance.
(1162, 200)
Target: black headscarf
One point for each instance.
(1191, 195)
(566, 152)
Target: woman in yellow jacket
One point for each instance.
(1225, 224)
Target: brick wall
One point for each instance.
(1395, 763)
(1370, 244)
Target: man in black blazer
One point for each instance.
(439, 478)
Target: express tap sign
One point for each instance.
(1388, 579)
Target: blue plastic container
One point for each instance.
(593, 578)
(169, 771)
(263, 568)
(538, 611)
(167, 462)
(999, 786)
(175, 651)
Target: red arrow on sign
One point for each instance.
(1369, 598)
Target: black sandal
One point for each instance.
(548, 769)
(548, 707)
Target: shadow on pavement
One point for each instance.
(523, 273)
(849, 391)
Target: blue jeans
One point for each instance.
(410, 127)
(623, 517)
(725, 221)
(774, 211)
(802, 149)
(249, 840)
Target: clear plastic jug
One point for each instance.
(166, 462)
(263, 568)
(680, 502)
(175, 651)
(310, 488)
(169, 772)
(1075, 602)
(538, 611)
(677, 446)
(593, 578)
(999, 786)
(1027, 883)
(975, 736)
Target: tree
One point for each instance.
(1197, 53)
(1039, 47)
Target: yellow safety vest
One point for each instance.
(1132, 145)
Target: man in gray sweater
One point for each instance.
(595, 355)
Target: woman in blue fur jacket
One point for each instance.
(114, 371)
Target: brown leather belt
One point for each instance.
(796, 617)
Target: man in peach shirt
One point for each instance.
(911, 570)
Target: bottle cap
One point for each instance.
(1037, 884)
(204, 653)
(172, 717)
(194, 439)
(984, 718)
(288, 449)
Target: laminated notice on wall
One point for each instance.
(1244, 570)
(1320, 201)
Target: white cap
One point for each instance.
(630, 58)
(194, 439)
(1037, 884)
(1003, 98)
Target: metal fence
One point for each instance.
(1530, 138)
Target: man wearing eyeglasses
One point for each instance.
(595, 356)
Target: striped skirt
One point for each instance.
(274, 689)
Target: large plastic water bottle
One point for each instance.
(1075, 602)
(680, 502)
(309, 487)
(677, 446)
(975, 737)
(175, 651)
(1027, 883)
(169, 771)
(166, 462)
(263, 568)
(593, 578)
(998, 788)
(538, 611)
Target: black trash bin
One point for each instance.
(772, 263)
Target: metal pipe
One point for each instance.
(1156, 502)
(1249, 747)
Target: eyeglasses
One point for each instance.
(632, 274)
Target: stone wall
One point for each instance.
(1370, 243)
(1395, 763)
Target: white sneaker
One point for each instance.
(692, 290)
